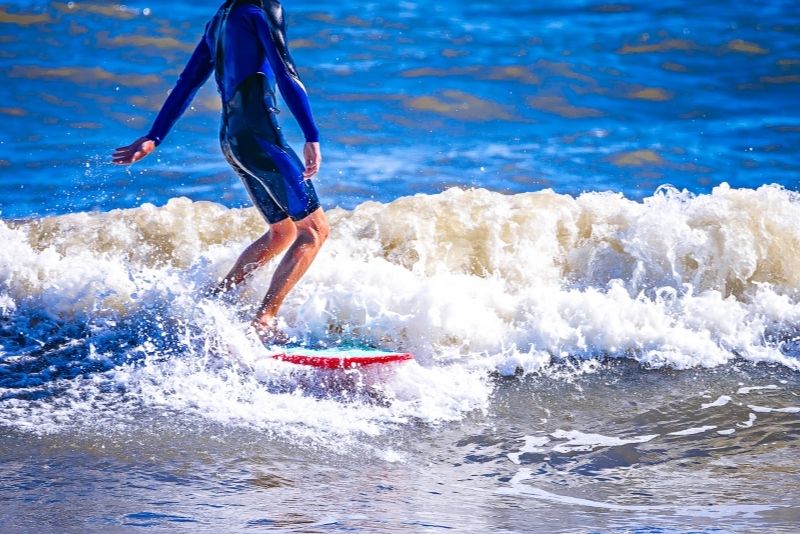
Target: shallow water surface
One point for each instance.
(610, 449)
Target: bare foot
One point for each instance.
(269, 333)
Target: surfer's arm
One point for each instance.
(197, 71)
(194, 75)
(271, 29)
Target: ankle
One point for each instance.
(267, 322)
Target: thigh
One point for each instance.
(276, 167)
(259, 194)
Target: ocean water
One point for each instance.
(583, 218)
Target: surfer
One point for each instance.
(245, 46)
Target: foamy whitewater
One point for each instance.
(580, 363)
(103, 312)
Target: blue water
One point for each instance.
(413, 97)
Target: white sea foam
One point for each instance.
(582, 441)
(751, 419)
(748, 389)
(721, 401)
(766, 409)
(472, 282)
(518, 487)
(533, 444)
(692, 431)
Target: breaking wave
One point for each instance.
(99, 311)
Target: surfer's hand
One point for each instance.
(313, 157)
(125, 155)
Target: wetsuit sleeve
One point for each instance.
(197, 71)
(271, 29)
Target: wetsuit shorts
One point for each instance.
(255, 147)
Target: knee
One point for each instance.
(314, 234)
(282, 235)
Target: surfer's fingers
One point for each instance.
(311, 170)
(125, 150)
(313, 158)
(132, 153)
(123, 156)
(137, 145)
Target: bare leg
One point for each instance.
(311, 234)
(259, 253)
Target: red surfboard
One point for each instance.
(341, 358)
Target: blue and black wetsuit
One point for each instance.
(245, 44)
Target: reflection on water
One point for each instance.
(699, 94)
